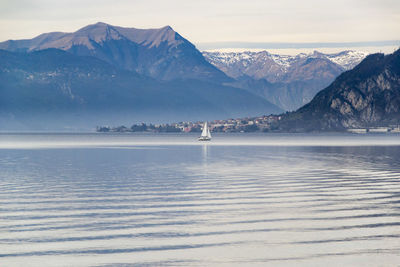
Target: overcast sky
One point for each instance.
(213, 21)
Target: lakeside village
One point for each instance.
(254, 124)
(241, 125)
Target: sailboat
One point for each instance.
(205, 134)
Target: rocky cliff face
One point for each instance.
(159, 53)
(368, 95)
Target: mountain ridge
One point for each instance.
(99, 31)
(159, 53)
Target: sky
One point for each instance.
(218, 24)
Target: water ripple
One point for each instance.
(192, 205)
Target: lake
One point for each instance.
(169, 200)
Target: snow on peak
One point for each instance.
(346, 59)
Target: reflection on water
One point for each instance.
(41, 141)
(156, 201)
(205, 153)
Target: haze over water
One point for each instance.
(239, 200)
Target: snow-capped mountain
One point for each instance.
(257, 65)
(347, 59)
(286, 81)
(264, 65)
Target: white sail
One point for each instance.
(208, 133)
(205, 134)
(205, 130)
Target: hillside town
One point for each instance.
(253, 124)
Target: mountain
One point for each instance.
(287, 81)
(54, 89)
(274, 67)
(366, 96)
(162, 53)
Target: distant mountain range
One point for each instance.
(366, 96)
(287, 81)
(274, 67)
(104, 74)
(107, 74)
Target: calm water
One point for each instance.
(241, 200)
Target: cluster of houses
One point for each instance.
(253, 124)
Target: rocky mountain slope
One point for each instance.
(287, 81)
(158, 53)
(366, 96)
(54, 89)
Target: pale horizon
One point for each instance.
(233, 21)
(288, 48)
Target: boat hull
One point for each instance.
(204, 139)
